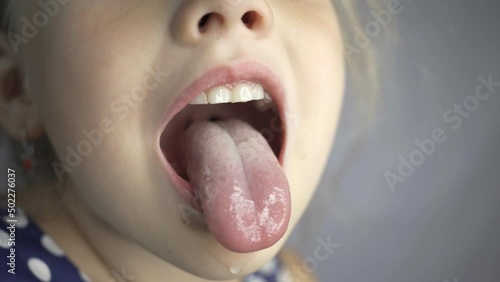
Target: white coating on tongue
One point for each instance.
(242, 208)
(278, 196)
(243, 191)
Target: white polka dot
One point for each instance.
(39, 269)
(4, 239)
(84, 277)
(255, 278)
(269, 268)
(22, 220)
(51, 246)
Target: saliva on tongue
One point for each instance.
(243, 191)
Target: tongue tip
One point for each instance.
(248, 230)
(238, 245)
(256, 234)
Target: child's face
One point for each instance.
(88, 66)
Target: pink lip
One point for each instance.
(226, 74)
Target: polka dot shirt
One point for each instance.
(38, 258)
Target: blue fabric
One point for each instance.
(38, 258)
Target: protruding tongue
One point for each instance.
(243, 190)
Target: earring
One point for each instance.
(34, 160)
(28, 153)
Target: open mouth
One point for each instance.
(245, 101)
(223, 147)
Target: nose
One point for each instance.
(199, 19)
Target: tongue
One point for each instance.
(242, 189)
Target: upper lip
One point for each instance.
(221, 75)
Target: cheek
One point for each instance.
(321, 92)
(83, 85)
(325, 71)
(83, 72)
(319, 103)
(318, 61)
(320, 75)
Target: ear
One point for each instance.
(18, 110)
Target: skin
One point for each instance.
(117, 207)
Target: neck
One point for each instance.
(93, 245)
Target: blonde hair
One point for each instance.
(365, 65)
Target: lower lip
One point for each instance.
(248, 71)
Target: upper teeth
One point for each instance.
(243, 92)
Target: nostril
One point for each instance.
(202, 23)
(250, 19)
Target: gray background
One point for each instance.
(443, 223)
